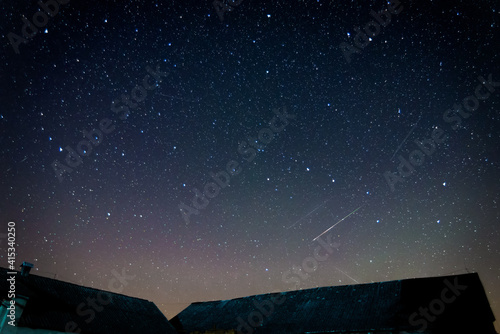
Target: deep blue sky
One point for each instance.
(353, 122)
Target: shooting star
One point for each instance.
(337, 223)
(25, 158)
(310, 213)
(408, 135)
(346, 274)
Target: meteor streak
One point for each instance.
(408, 135)
(337, 223)
(310, 213)
(346, 275)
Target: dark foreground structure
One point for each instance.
(45, 305)
(437, 305)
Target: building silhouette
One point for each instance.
(49, 306)
(437, 305)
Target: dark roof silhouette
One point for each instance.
(384, 306)
(53, 303)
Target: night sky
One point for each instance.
(117, 117)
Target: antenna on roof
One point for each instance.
(48, 272)
(466, 269)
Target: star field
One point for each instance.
(168, 94)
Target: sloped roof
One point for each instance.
(53, 303)
(340, 309)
